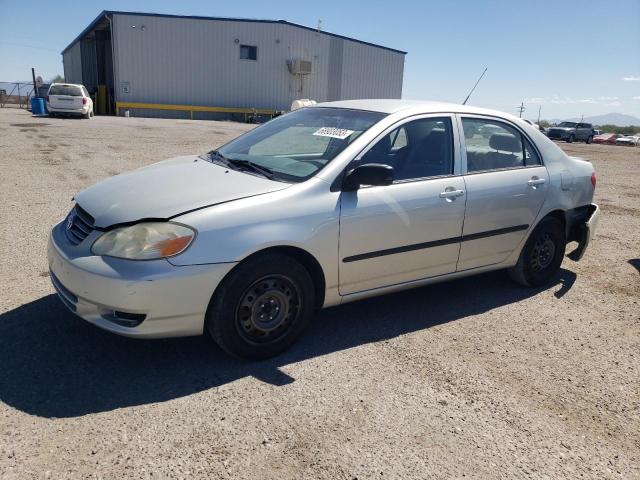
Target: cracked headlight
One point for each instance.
(145, 241)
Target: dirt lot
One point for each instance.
(476, 378)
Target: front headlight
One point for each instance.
(145, 241)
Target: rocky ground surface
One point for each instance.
(476, 378)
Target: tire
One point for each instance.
(52, 115)
(87, 115)
(571, 138)
(589, 140)
(239, 317)
(542, 255)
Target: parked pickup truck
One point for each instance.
(572, 131)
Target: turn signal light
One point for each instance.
(593, 179)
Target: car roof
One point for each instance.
(411, 107)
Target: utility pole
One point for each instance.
(521, 109)
(35, 86)
(539, 108)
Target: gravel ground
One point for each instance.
(475, 378)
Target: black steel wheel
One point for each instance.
(542, 255)
(542, 252)
(262, 306)
(268, 308)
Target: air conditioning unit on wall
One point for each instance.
(299, 67)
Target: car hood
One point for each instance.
(166, 189)
(562, 128)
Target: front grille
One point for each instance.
(555, 134)
(79, 225)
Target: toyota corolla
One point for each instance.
(325, 205)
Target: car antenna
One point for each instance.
(474, 87)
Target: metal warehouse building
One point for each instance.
(205, 67)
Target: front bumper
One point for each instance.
(585, 232)
(171, 300)
(558, 135)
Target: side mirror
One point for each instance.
(376, 174)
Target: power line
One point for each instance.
(28, 46)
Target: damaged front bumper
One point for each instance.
(584, 230)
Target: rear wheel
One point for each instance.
(262, 306)
(589, 139)
(542, 255)
(571, 138)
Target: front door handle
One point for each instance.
(535, 181)
(451, 193)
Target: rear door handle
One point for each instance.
(535, 181)
(452, 194)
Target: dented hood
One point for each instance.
(166, 189)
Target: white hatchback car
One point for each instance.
(69, 99)
(325, 205)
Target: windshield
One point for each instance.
(70, 90)
(567, 124)
(296, 146)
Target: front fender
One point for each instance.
(304, 216)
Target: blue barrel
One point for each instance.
(37, 106)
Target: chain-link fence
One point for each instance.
(18, 94)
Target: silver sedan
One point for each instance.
(322, 206)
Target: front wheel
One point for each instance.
(542, 255)
(261, 307)
(570, 139)
(589, 140)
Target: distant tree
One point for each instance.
(631, 129)
(57, 79)
(544, 124)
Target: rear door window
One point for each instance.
(493, 145)
(68, 90)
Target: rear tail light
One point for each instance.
(593, 179)
(84, 100)
(47, 98)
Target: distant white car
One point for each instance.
(629, 140)
(69, 99)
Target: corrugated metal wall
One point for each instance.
(72, 64)
(89, 63)
(370, 72)
(197, 62)
(336, 58)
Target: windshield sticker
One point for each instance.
(340, 133)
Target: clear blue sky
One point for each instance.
(570, 57)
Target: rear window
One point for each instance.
(70, 90)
